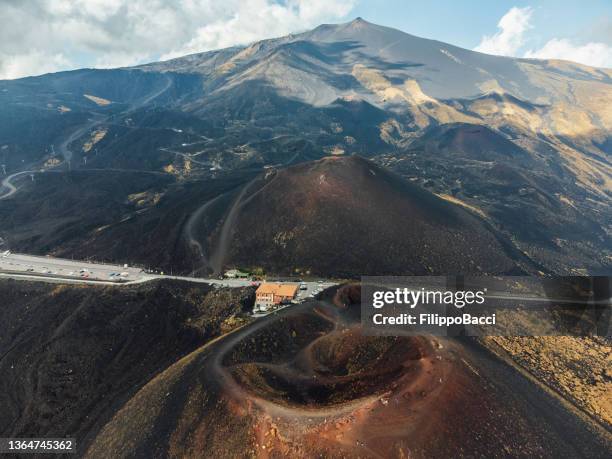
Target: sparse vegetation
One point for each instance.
(98, 100)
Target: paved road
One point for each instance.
(30, 265)
(79, 132)
(58, 270)
(8, 189)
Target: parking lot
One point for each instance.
(312, 288)
(49, 269)
(37, 266)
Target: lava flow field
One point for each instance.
(306, 382)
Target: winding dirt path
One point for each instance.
(219, 256)
(189, 233)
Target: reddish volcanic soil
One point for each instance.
(307, 383)
(348, 217)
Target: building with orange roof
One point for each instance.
(269, 295)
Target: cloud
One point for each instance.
(40, 36)
(594, 53)
(250, 20)
(33, 62)
(511, 36)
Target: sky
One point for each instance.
(41, 36)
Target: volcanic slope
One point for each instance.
(527, 142)
(307, 383)
(349, 217)
(71, 355)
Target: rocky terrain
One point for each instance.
(347, 217)
(346, 150)
(524, 143)
(70, 356)
(339, 216)
(176, 369)
(307, 382)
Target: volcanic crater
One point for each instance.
(307, 382)
(337, 364)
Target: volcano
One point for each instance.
(307, 382)
(346, 216)
(524, 143)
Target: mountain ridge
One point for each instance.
(346, 217)
(525, 142)
(392, 69)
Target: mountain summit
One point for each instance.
(524, 143)
(430, 82)
(349, 217)
(382, 65)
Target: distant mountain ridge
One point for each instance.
(525, 143)
(385, 66)
(430, 81)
